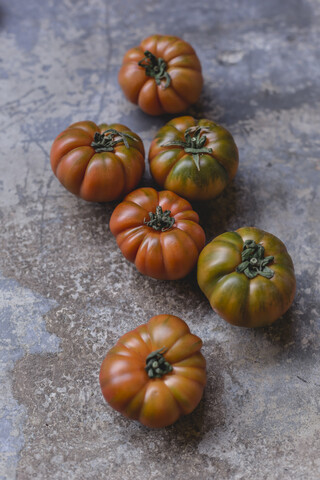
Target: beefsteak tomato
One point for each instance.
(161, 75)
(194, 158)
(248, 277)
(155, 373)
(98, 163)
(158, 232)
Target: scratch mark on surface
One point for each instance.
(302, 379)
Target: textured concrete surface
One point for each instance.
(66, 292)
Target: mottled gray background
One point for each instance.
(66, 292)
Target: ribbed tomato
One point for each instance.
(162, 75)
(158, 232)
(155, 373)
(194, 158)
(248, 277)
(98, 163)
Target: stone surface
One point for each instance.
(66, 292)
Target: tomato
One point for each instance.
(155, 373)
(158, 232)
(248, 277)
(98, 163)
(161, 75)
(194, 158)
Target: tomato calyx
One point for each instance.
(193, 143)
(156, 364)
(253, 261)
(161, 220)
(105, 141)
(156, 68)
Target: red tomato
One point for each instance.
(98, 163)
(162, 75)
(158, 232)
(155, 373)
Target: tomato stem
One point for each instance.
(161, 220)
(156, 68)
(193, 143)
(156, 364)
(105, 141)
(253, 261)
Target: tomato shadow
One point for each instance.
(207, 107)
(283, 339)
(216, 216)
(290, 332)
(235, 207)
(283, 331)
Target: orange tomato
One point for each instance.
(155, 373)
(98, 163)
(158, 232)
(162, 75)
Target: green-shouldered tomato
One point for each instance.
(247, 276)
(196, 159)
